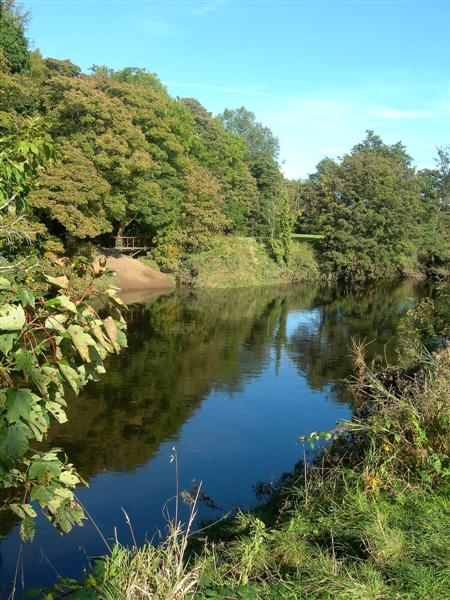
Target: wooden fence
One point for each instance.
(132, 244)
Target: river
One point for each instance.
(230, 379)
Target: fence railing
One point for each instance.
(131, 243)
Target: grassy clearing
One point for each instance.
(307, 236)
(236, 262)
(314, 240)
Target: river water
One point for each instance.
(230, 379)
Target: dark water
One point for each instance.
(231, 379)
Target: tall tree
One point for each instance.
(260, 140)
(224, 154)
(368, 208)
(13, 43)
(270, 218)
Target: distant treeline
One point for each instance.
(133, 160)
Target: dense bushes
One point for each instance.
(233, 262)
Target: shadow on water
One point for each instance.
(231, 378)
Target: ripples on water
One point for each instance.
(231, 378)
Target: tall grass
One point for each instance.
(370, 517)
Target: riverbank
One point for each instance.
(238, 262)
(368, 518)
(134, 276)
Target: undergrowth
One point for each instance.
(236, 262)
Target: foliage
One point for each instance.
(424, 327)
(234, 262)
(13, 43)
(135, 161)
(259, 139)
(369, 207)
(368, 518)
(22, 158)
(51, 341)
(272, 215)
(224, 154)
(434, 248)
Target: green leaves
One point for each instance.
(25, 296)
(61, 282)
(18, 405)
(81, 340)
(316, 436)
(7, 342)
(12, 317)
(5, 284)
(43, 471)
(72, 376)
(13, 443)
(60, 346)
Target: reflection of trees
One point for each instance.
(322, 348)
(180, 348)
(183, 345)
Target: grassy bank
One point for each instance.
(368, 518)
(235, 262)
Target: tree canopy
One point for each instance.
(13, 43)
(378, 216)
(131, 159)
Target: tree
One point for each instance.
(434, 185)
(270, 218)
(22, 158)
(66, 68)
(368, 208)
(13, 43)
(443, 176)
(224, 153)
(260, 140)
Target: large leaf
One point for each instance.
(61, 282)
(40, 378)
(25, 296)
(63, 301)
(24, 360)
(13, 442)
(56, 322)
(4, 284)
(67, 303)
(6, 342)
(18, 405)
(43, 471)
(81, 340)
(27, 529)
(112, 331)
(72, 377)
(12, 317)
(56, 410)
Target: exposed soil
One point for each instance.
(134, 275)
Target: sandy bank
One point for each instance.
(133, 275)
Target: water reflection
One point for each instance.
(231, 377)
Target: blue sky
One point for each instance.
(318, 73)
